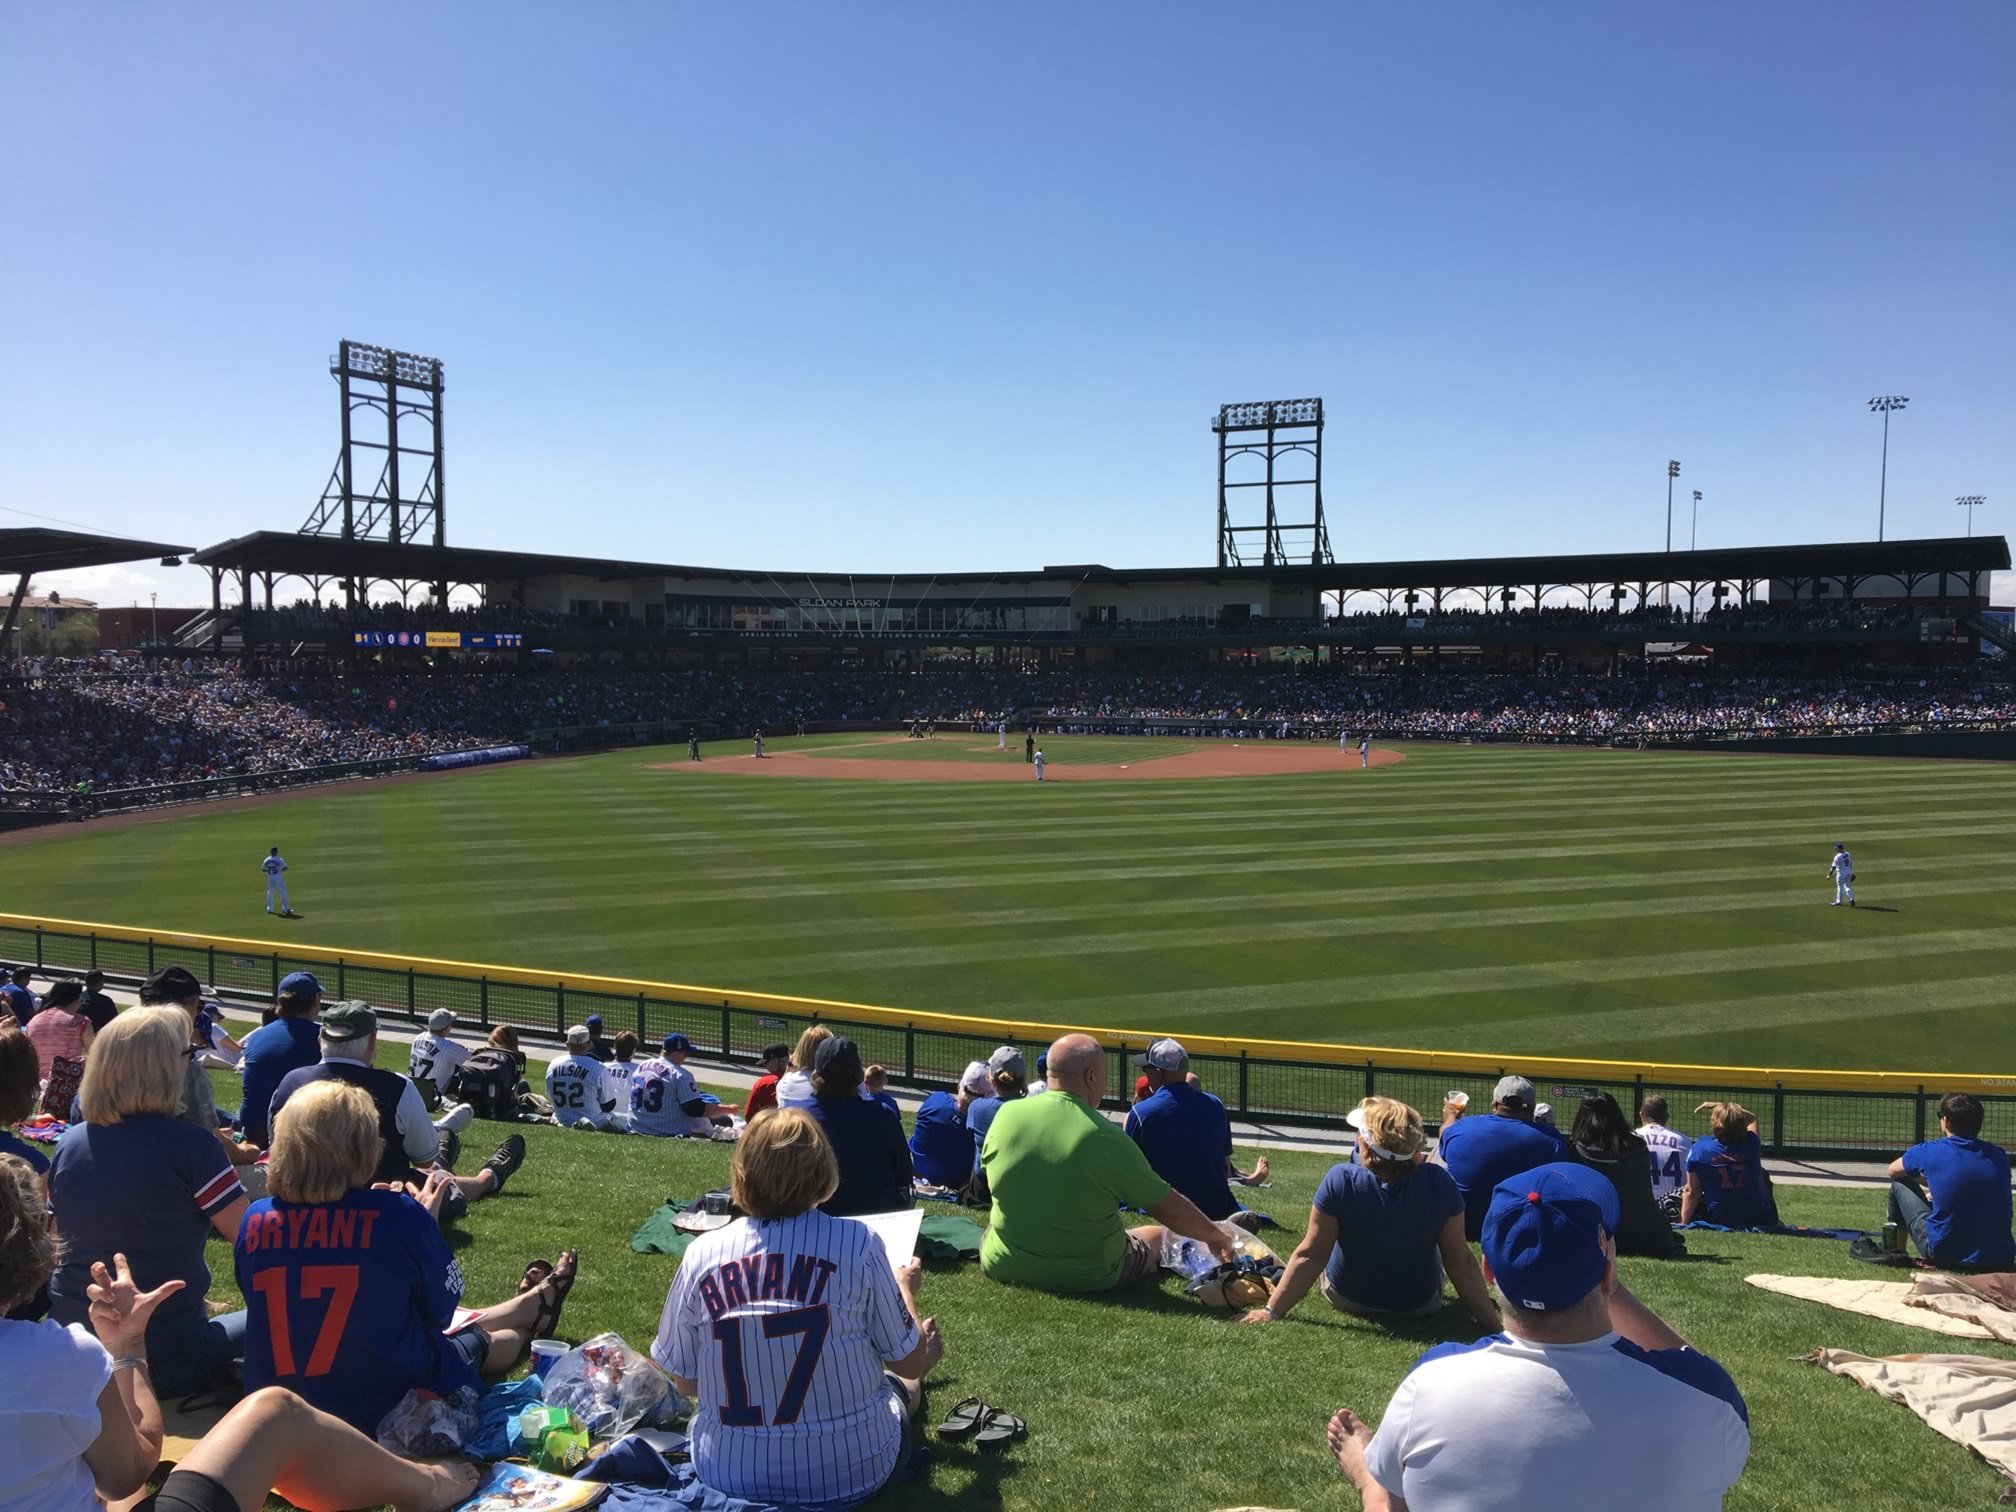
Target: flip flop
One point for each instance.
(966, 1419)
(562, 1278)
(1001, 1430)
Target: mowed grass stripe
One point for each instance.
(1477, 888)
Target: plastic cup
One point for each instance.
(544, 1353)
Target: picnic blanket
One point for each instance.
(1967, 1398)
(942, 1239)
(1782, 1230)
(42, 1129)
(1944, 1304)
(640, 1479)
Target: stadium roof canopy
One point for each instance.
(36, 549)
(1831, 559)
(321, 556)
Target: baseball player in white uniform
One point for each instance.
(577, 1088)
(1841, 867)
(276, 881)
(1001, 733)
(759, 745)
(1039, 763)
(1364, 750)
(1343, 741)
(781, 1329)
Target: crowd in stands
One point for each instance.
(100, 725)
(1575, 1388)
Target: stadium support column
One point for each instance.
(216, 608)
(13, 612)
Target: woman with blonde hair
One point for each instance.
(1382, 1232)
(794, 1335)
(134, 1177)
(79, 1419)
(794, 1087)
(354, 1288)
(1726, 1179)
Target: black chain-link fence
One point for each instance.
(1793, 1120)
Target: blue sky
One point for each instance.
(944, 286)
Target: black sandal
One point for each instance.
(536, 1273)
(562, 1277)
(1001, 1430)
(966, 1419)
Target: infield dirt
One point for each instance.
(1229, 758)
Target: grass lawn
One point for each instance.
(1149, 1401)
(1521, 901)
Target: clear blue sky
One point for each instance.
(944, 286)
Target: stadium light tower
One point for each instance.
(1672, 472)
(1886, 403)
(1970, 503)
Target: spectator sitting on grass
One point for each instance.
(20, 1000)
(326, 1218)
(577, 1087)
(794, 1087)
(875, 1082)
(436, 1055)
(1726, 1179)
(20, 1081)
(60, 1028)
(175, 987)
(1383, 1231)
(1186, 1134)
(621, 1070)
(1584, 1392)
(867, 1138)
(775, 1061)
(137, 1179)
(1960, 1218)
(1007, 1081)
(1666, 1151)
(941, 1151)
(1060, 1173)
(79, 1420)
(287, 1044)
(409, 1143)
(1603, 1141)
(98, 1008)
(844, 1439)
(1481, 1152)
(599, 1044)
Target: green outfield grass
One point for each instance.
(1525, 901)
(1149, 1402)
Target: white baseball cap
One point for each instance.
(579, 1035)
(974, 1078)
(1166, 1055)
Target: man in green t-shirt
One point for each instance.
(1059, 1172)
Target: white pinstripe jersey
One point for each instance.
(786, 1324)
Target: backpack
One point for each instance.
(488, 1082)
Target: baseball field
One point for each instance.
(1518, 900)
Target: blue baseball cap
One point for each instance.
(300, 984)
(593, 1021)
(673, 1042)
(1543, 1235)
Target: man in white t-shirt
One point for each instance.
(1667, 1147)
(435, 1055)
(1585, 1391)
(577, 1087)
(665, 1100)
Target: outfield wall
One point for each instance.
(1800, 1111)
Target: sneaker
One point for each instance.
(1870, 1251)
(504, 1164)
(451, 1149)
(458, 1117)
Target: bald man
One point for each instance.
(1059, 1172)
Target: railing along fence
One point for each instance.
(1801, 1112)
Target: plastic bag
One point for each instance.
(610, 1386)
(426, 1426)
